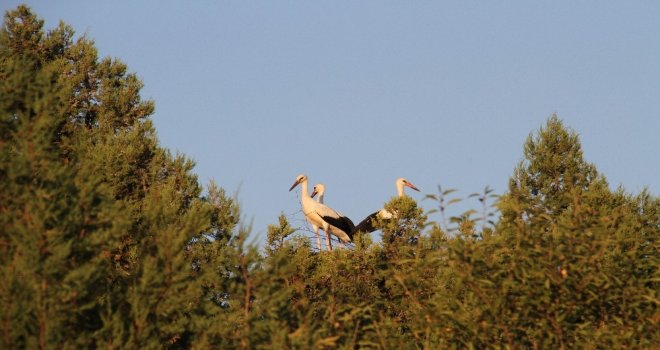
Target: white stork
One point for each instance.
(367, 225)
(321, 216)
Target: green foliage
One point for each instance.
(106, 240)
(277, 234)
(569, 264)
(97, 219)
(406, 225)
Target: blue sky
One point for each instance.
(356, 94)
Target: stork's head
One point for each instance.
(299, 179)
(318, 189)
(400, 182)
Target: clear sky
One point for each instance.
(358, 93)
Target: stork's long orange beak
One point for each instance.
(314, 193)
(294, 185)
(411, 186)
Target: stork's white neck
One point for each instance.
(303, 189)
(399, 188)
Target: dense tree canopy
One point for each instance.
(108, 241)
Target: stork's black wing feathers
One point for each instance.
(342, 222)
(366, 225)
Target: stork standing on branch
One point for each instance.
(321, 216)
(367, 225)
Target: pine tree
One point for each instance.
(559, 225)
(98, 220)
(551, 174)
(58, 217)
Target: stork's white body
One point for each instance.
(309, 209)
(319, 189)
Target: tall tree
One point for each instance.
(552, 171)
(97, 219)
(560, 234)
(59, 218)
